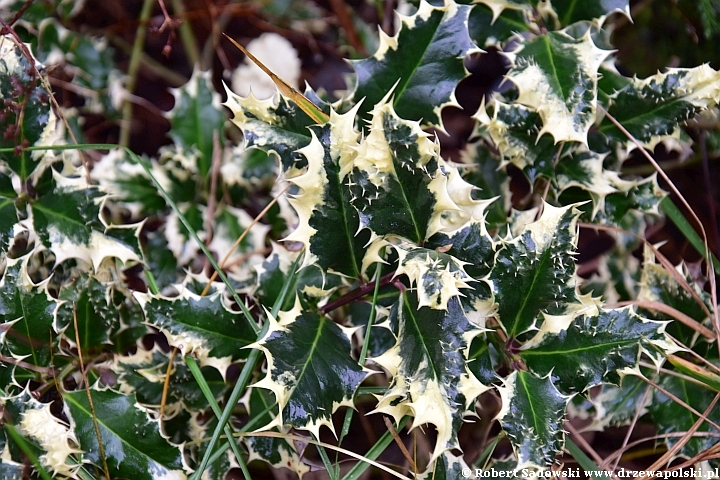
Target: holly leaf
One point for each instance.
(532, 415)
(618, 405)
(273, 125)
(557, 75)
(517, 133)
(276, 452)
(88, 301)
(310, 369)
(421, 64)
(202, 326)
(428, 365)
(438, 276)
(492, 180)
(595, 349)
(328, 223)
(535, 271)
(26, 316)
(571, 11)
(652, 108)
(196, 117)
(69, 222)
(132, 443)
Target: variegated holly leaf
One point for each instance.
(584, 169)
(132, 443)
(438, 276)
(421, 64)
(618, 405)
(498, 7)
(144, 372)
(199, 427)
(310, 369)
(50, 438)
(276, 452)
(273, 125)
(68, 220)
(88, 302)
(571, 11)
(594, 349)
(27, 119)
(556, 75)
(534, 272)
(202, 326)
(632, 199)
(400, 186)
(516, 131)
(489, 30)
(26, 316)
(430, 378)
(445, 467)
(532, 415)
(473, 248)
(653, 108)
(483, 360)
(197, 118)
(328, 224)
(671, 417)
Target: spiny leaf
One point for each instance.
(272, 125)
(133, 444)
(595, 349)
(69, 222)
(487, 29)
(654, 107)
(430, 377)
(26, 313)
(438, 276)
(532, 414)
(557, 76)
(618, 405)
(422, 64)
(535, 271)
(8, 220)
(310, 369)
(328, 224)
(202, 326)
(446, 467)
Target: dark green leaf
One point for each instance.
(446, 467)
(26, 313)
(310, 369)
(203, 326)
(423, 62)
(90, 302)
(492, 180)
(532, 415)
(535, 271)
(594, 349)
(8, 219)
(133, 445)
(431, 380)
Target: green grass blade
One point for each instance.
(27, 450)
(676, 216)
(583, 460)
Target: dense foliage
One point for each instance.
(385, 275)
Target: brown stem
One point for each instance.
(386, 279)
